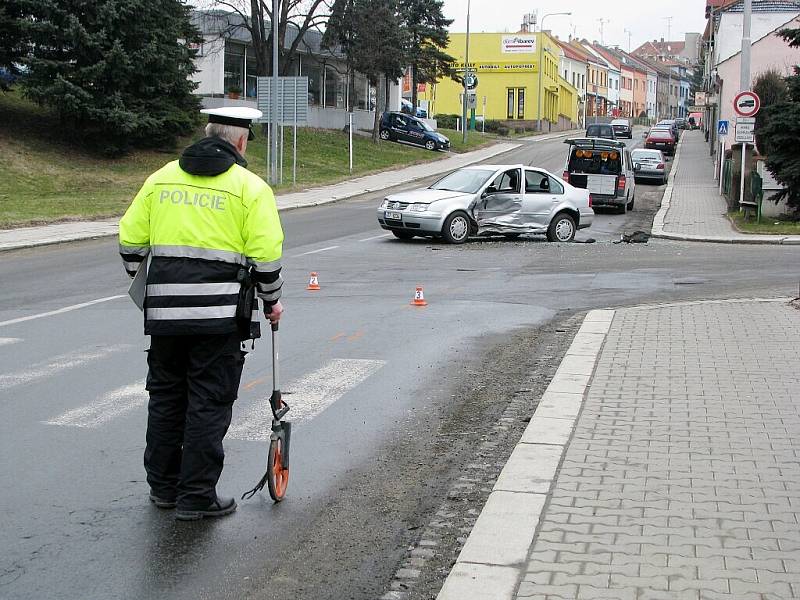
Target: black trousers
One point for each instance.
(193, 382)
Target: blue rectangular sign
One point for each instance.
(722, 127)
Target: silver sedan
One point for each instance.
(483, 200)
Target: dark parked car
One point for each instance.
(661, 139)
(400, 127)
(600, 130)
(622, 128)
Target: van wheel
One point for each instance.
(430, 145)
(385, 134)
(456, 228)
(562, 228)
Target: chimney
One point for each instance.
(662, 40)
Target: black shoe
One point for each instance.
(219, 508)
(163, 502)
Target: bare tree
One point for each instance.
(255, 17)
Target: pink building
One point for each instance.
(770, 51)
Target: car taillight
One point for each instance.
(565, 176)
(591, 200)
(660, 166)
(621, 183)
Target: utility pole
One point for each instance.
(629, 39)
(744, 82)
(669, 27)
(273, 169)
(466, 91)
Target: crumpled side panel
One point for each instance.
(502, 215)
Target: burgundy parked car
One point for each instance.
(661, 139)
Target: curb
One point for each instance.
(493, 559)
(657, 230)
(112, 228)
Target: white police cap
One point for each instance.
(238, 116)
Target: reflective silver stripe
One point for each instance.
(194, 312)
(205, 253)
(139, 250)
(270, 287)
(271, 296)
(132, 265)
(192, 289)
(265, 267)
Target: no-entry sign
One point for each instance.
(746, 104)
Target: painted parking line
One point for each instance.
(8, 341)
(376, 237)
(60, 311)
(55, 365)
(109, 406)
(310, 395)
(315, 251)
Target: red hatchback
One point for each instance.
(661, 139)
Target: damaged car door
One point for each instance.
(499, 209)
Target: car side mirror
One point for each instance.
(489, 191)
(637, 167)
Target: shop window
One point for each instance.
(251, 78)
(314, 74)
(521, 103)
(510, 113)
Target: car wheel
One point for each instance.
(386, 134)
(456, 228)
(430, 145)
(562, 228)
(402, 235)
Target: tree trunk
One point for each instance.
(414, 89)
(387, 88)
(377, 124)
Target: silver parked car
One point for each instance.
(649, 164)
(508, 200)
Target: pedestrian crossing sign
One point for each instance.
(722, 127)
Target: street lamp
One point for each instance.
(541, 59)
(466, 73)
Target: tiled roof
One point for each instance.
(571, 51)
(765, 6)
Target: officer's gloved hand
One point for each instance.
(274, 313)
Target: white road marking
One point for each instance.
(315, 251)
(9, 341)
(56, 365)
(310, 395)
(105, 408)
(61, 310)
(376, 237)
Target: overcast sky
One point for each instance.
(645, 19)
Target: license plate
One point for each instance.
(394, 216)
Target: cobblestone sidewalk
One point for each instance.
(682, 478)
(692, 208)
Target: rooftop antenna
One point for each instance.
(629, 39)
(602, 22)
(669, 27)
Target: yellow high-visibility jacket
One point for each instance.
(201, 232)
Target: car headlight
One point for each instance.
(385, 204)
(419, 207)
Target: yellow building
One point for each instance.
(507, 69)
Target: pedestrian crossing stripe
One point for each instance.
(8, 341)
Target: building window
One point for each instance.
(521, 103)
(510, 103)
(234, 66)
(251, 79)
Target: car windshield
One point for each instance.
(599, 131)
(646, 155)
(661, 134)
(468, 181)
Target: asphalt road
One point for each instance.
(382, 393)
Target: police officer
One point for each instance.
(211, 230)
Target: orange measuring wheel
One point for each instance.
(278, 473)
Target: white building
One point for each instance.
(573, 67)
(652, 90)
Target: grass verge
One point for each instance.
(45, 176)
(768, 225)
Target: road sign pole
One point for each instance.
(721, 163)
(350, 118)
(741, 185)
(294, 138)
